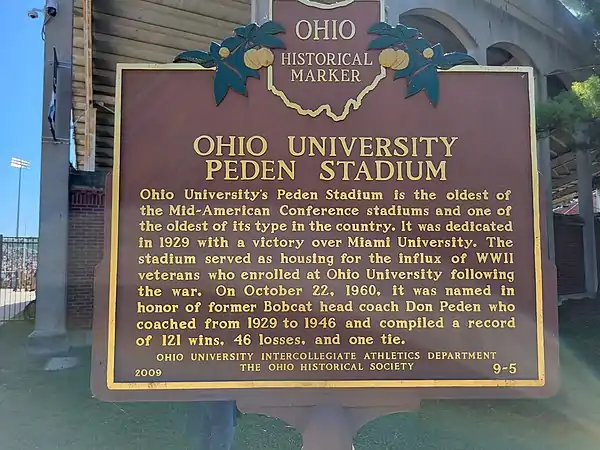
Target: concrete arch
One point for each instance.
(518, 56)
(568, 77)
(521, 55)
(486, 23)
(450, 23)
(563, 76)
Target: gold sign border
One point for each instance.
(177, 385)
(352, 103)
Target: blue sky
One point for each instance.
(20, 113)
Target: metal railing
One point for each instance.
(18, 273)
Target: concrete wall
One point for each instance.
(547, 13)
(541, 31)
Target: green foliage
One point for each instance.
(564, 112)
(424, 59)
(581, 105)
(588, 92)
(571, 109)
(228, 57)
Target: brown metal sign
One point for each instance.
(368, 219)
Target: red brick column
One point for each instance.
(86, 241)
(568, 237)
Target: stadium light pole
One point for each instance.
(19, 164)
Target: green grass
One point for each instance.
(54, 410)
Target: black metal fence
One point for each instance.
(18, 273)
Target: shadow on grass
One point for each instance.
(54, 410)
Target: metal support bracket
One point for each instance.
(51, 140)
(61, 64)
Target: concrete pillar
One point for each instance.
(545, 169)
(49, 336)
(586, 211)
(259, 11)
(392, 12)
(479, 53)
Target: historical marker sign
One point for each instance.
(368, 219)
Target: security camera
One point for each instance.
(34, 13)
(51, 7)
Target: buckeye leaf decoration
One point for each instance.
(411, 56)
(238, 57)
(425, 80)
(198, 57)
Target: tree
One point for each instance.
(572, 109)
(579, 107)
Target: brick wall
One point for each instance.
(568, 239)
(597, 229)
(86, 241)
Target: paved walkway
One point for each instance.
(12, 303)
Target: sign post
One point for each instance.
(327, 218)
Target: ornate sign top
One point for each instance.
(345, 45)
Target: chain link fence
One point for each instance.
(18, 274)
